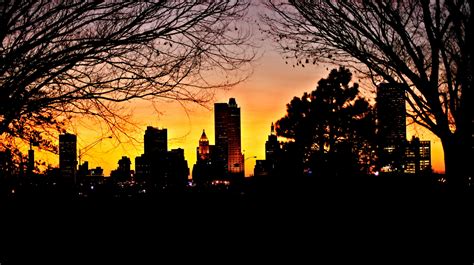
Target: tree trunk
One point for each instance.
(457, 161)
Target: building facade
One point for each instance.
(123, 171)
(228, 137)
(68, 156)
(417, 156)
(391, 127)
(396, 155)
(206, 169)
(160, 169)
(156, 140)
(221, 140)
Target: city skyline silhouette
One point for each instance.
(263, 97)
(185, 125)
(332, 133)
(150, 132)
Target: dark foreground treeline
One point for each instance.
(261, 187)
(318, 221)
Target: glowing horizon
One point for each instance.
(262, 99)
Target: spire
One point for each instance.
(203, 136)
(273, 129)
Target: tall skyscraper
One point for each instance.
(206, 168)
(391, 113)
(158, 168)
(235, 162)
(156, 140)
(220, 127)
(228, 137)
(68, 156)
(391, 127)
(156, 148)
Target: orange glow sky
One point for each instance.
(262, 100)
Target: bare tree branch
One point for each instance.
(61, 57)
(424, 45)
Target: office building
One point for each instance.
(124, 165)
(391, 127)
(417, 156)
(395, 153)
(177, 170)
(156, 141)
(391, 113)
(123, 172)
(158, 168)
(83, 170)
(68, 156)
(228, 137)
(206, 168)
(142, 168)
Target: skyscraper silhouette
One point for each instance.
(159, 169)
(220, 127)
(391, 127)
(228, 137)
(156, 140)
(153, 159)
(68, 156)
(206, 169)
(391, 113)
(396, 154)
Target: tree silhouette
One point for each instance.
(424, 45)
(332, 127)
(61, 58)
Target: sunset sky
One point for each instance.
(262, 99)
